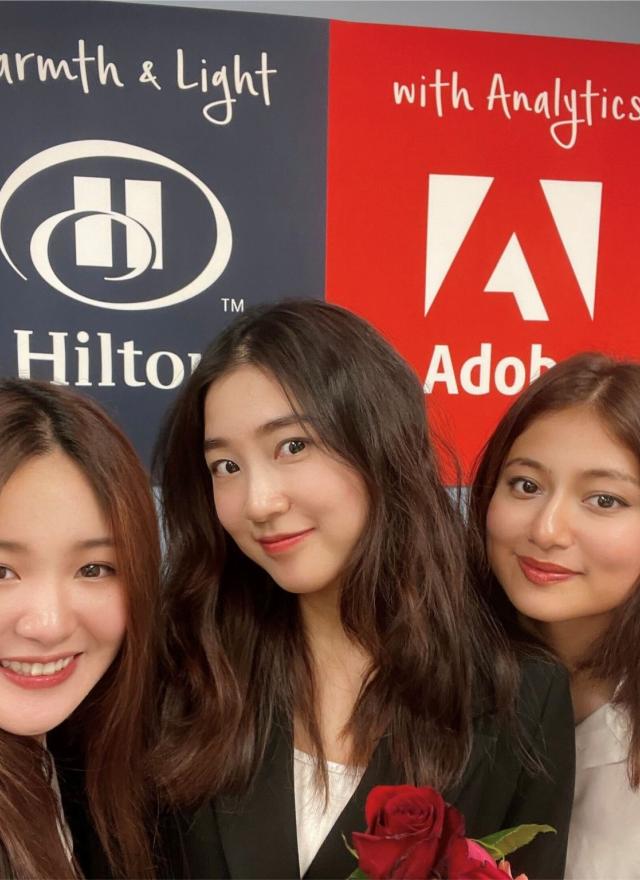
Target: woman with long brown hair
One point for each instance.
(557, 499)
(322, 638)
(79, 559)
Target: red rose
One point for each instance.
(408, 832)
(467, 859)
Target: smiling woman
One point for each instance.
(62, 615)
(276, 493)
(322, 638)
(557, 499)
(79, 560)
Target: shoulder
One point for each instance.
(190, 844)
(541, 723)
(544, 686)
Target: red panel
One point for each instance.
(387, 159)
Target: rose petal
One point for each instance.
(467, 860)
(411, 813)
(453, 824)
(378, 856)
(378, 797)
(418, 862)
(408, 831)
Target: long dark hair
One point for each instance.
(611, 389)
(110, 725)
(236, 650)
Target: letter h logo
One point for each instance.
(143, 204)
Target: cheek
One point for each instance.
(615, 552)
(9, 613)
(358, 502)
(106, 616)
(347, 492)
(500, 522)
(227, 508)
(504, 534)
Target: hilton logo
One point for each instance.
(94, 217)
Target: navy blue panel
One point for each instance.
(207, 193)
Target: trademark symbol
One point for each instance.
(229, 304)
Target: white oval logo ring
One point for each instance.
(92, 149)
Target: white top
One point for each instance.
(604, 836)
(313, 821)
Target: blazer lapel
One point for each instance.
(258, 833)
(333, 859)
(482, 755)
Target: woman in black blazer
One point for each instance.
(257, 838)
(320, 617)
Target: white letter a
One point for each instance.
(512, 275)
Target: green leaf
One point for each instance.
(358, 874)
(351, 850)
(493, 851)
(510, 839)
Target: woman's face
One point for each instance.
(290, 506)
(563, 525)
(62, 604)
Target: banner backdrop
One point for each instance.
(164, 168)
(161, 169)
(484, 194)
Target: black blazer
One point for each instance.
(256, 838)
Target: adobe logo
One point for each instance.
(453, 204)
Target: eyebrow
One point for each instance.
(612, 474)
(606, 473)
(267, 428)
(89, 544)
(527, 462)
(13, 546)
(93, 543)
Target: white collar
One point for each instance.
(603, 738)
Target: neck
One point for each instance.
(332, 649)
(340, 666)
(571, 641)
(588, 694)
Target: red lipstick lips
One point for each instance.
(29, 681)
(543, 573)
(274, 544)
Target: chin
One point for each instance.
(300, 588)
(540, 612)
(36, 730)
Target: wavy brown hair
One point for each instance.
(611, 389)
(109, 728)
(237, 655)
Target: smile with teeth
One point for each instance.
(35, 669)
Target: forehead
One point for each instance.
(50, 495)
(243, 400)
(576, 438)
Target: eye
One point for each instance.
(96, 570)
(223, 467)
(604, 501)
(524, 486)
(7, 574)
(292, 447)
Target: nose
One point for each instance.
(266, 496)
(48, 615)
(551, 524)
